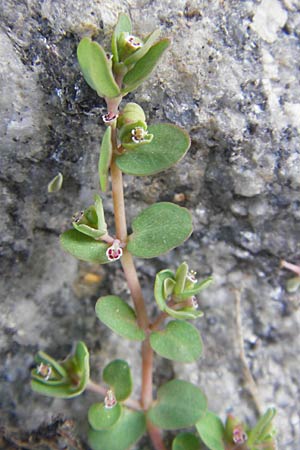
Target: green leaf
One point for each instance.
(119, 317)
(263, 431)
(211, 431)
(180, 277)
(96, 68)
(123, 26)
(180, 404)
(84, 247)
(186, 441)
(91, 222)
(105, 159)
(143, 50)
(158, 229)
(118, 376)
(159, 287)
(56, 183)
(180, 341)
(123, 435)
(168, 146)
(196, 289)
(67, 379)
(142, 69)
(293, 285)
(100, 417)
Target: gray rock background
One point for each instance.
(231, 78)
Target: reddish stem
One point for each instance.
(290, 266)
(135, 290)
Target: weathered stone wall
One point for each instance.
(231, 78)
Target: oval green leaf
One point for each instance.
(143, 68)
(117, 375)
(119, 317)
(293, 285)
(101, 417)
(143, 50)
(180, 404)
(168, 146)
(186, 441)
(158, 229)
(179, 341)
(123, 435)
(105, 159)
(84, 247)
(211, 431)
(96, 68)
(56, 183)
(123, 26)
(159, 287)
(196, 288)
(264, 431)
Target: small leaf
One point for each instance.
(56, 183)
(118, 376)
(142, 69)
(96, 68)
(123, 435)
(196, 289)
(143, 50)
(158, 229)
(159, 287)
(180, 277)
(293, 285)
(263, 431)
(100, 417)
(186, 441)
(67, 379)
(119, 317)
(168, 146)
(123, 26)
(180, 404)
(105, 159)
(211, 431)
(84, 247)
(180, 341)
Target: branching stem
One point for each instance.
(135, 291)
(101, 390)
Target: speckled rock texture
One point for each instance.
(231, 78)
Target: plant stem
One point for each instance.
(135, 291)
(290, 266)
(155, 436)
(252, 387)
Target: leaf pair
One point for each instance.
(156, 230)
(134, 61)
(117, 375)
(179, 341)
(66, 379)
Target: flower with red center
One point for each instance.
(110, 400)
(115, 251)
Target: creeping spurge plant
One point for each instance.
(132, 146)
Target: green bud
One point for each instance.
(130, 114)
(91, 221)
(128, 44)
(65, 379)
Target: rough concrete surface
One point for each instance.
(231, 78)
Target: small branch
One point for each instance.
(290, 266)
(101, 390)
(155, 436)
(251, 385)
(158, 321)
